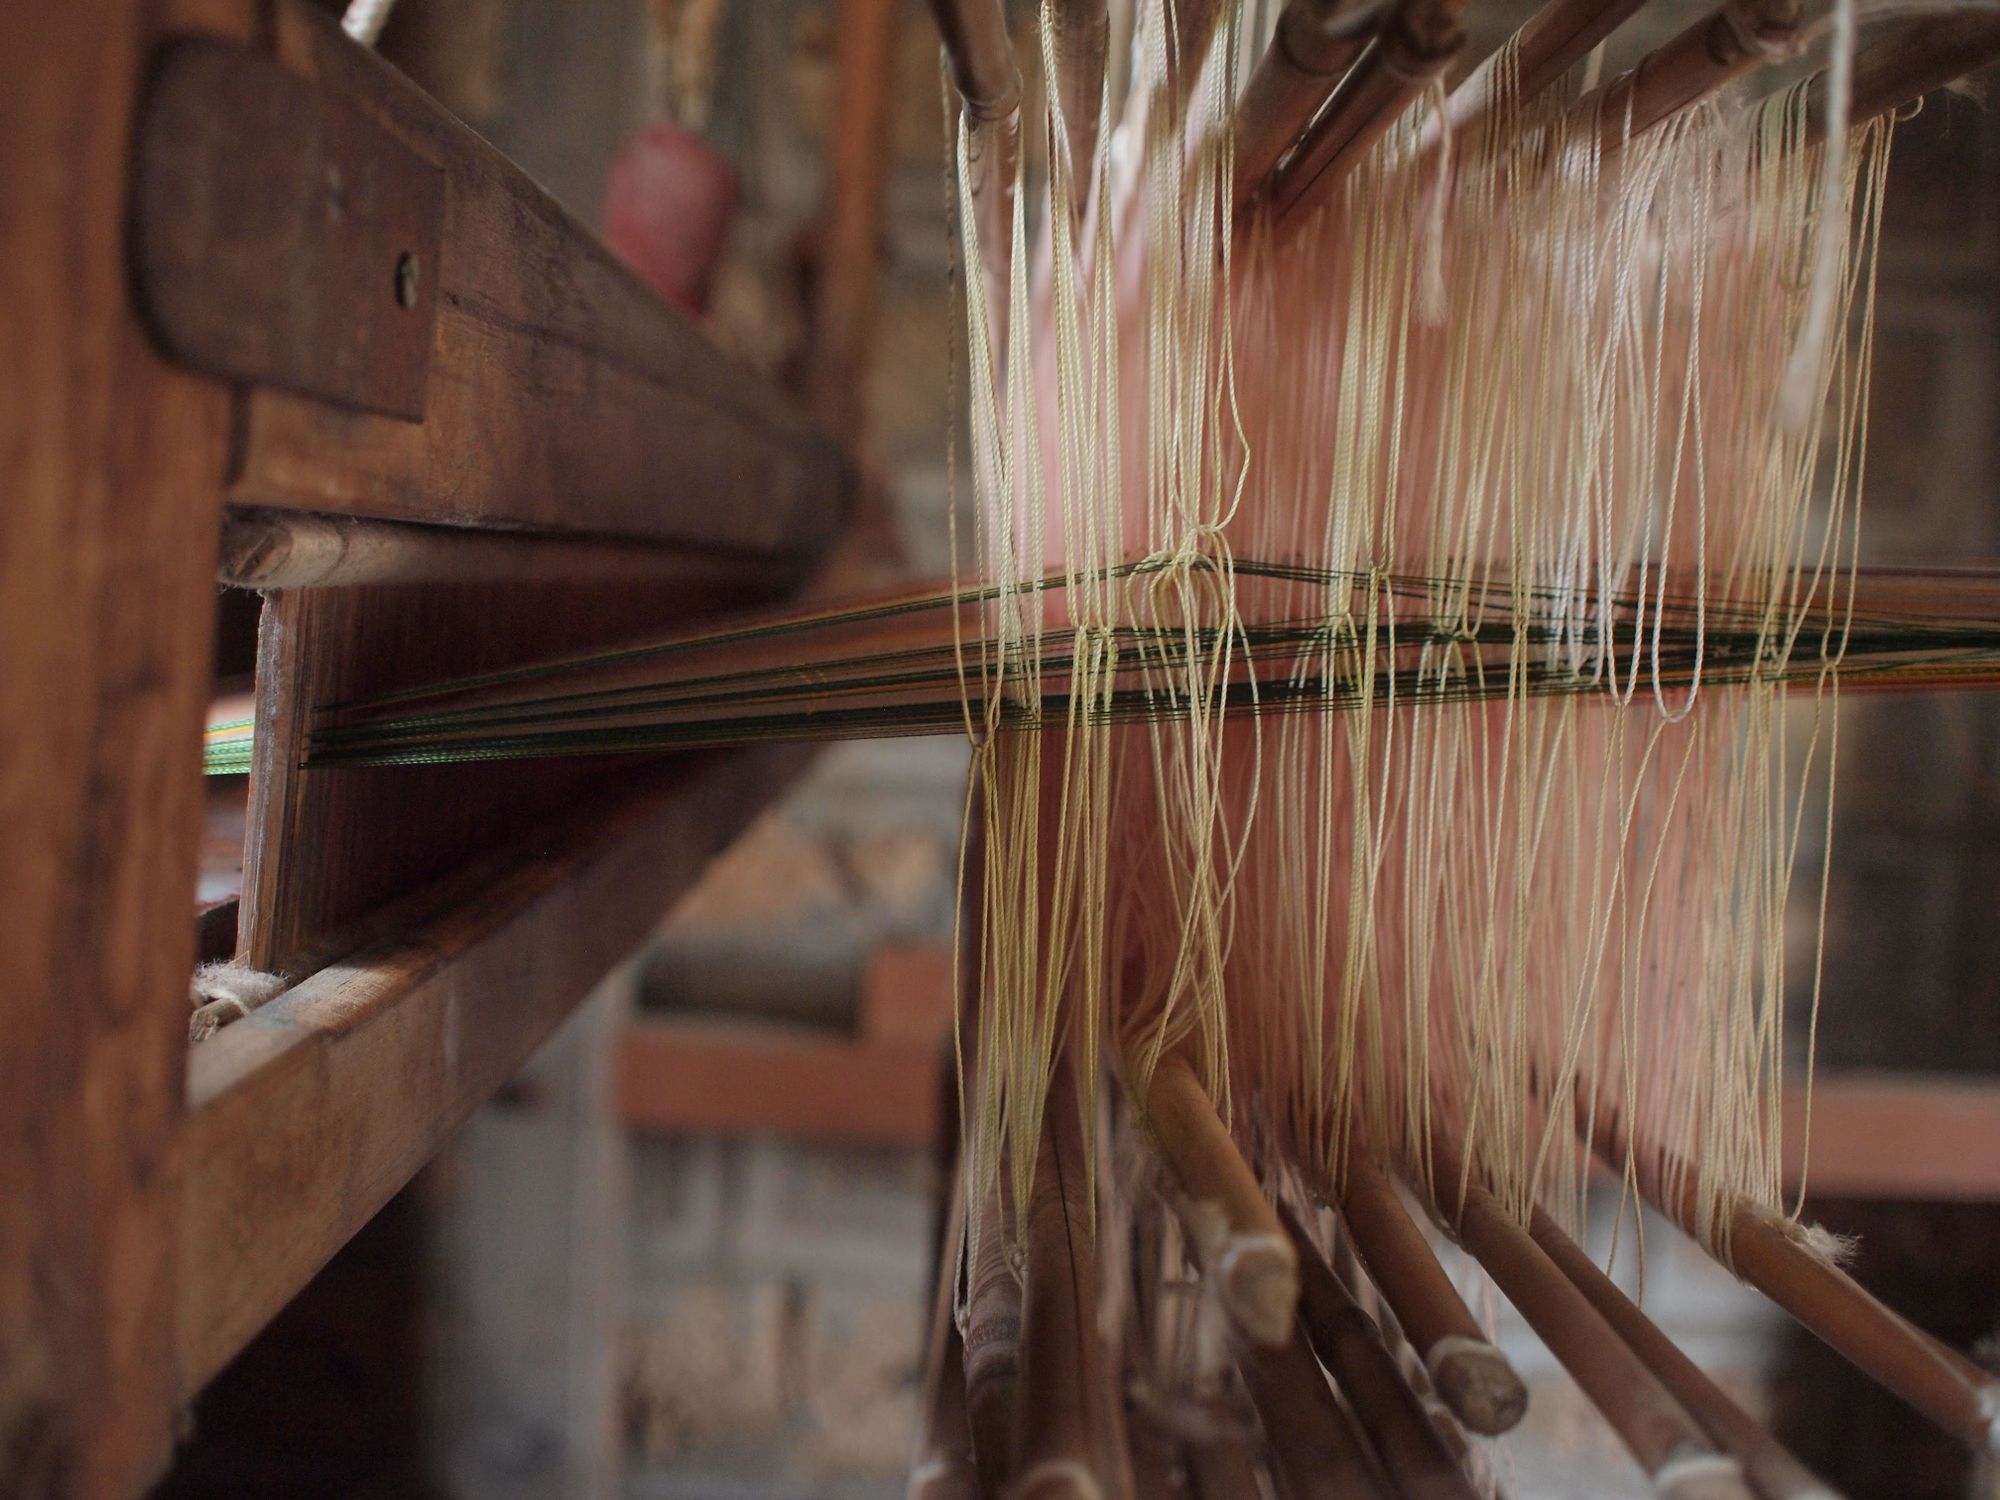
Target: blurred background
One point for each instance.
(685, 1256)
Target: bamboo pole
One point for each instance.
(1082, 31)
(1555, 38)
(1350, 1346)
(1235, 1230)
(1472, 1377)
(1309, 1439)
(981, 59)
(1771, 1469)
(1740, 36)
(1910, 61)
(1415, 47)
(1315, 43)
(1655, 1428)
(1776, 1257)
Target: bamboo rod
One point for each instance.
(1350, 1346)
(1060, 1441)
(1082, 31)
(1910, 61)
(1774, 1256)
(1472, 1377)
(1309, 1440)
(1315, 43)
(1771, 1469)
(981, 59)
(1655, 1428)
(1242, 1245)
(283, 549)
(1735, 39)
(1416, 46)
(1553, 40)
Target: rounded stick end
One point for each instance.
(1259, 1275)
(1478, 1384)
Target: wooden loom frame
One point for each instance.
(247, 264)
(157, 1208)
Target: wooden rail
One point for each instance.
(243, 261)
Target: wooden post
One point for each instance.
(113, 464)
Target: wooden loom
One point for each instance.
(249, 266)
(254, 269)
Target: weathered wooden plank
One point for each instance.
(281, 237)
(307, 1115)
(112, 463)
(562, 394)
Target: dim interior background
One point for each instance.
(685, 1255)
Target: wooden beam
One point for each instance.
(306, 1116)
(719, 1076)
(288, 549)
(1932, 1137)
(112, 462)
(562, 394)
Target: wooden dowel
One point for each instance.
(1350, 1346)
(1398, 66)
(981, 59)
(1236, 1232)
(1082, 31)
(1932, 1377)
(1771, 1469)
(285, 549)
(1310, 1442)
(1773, 1255)
(1910, 61)
(1553, 40)
(1060, 1441)
(1472, 1377)
(1316, 42)
(1740, 36)
(1655, 1428)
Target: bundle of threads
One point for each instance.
(1469, 491)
